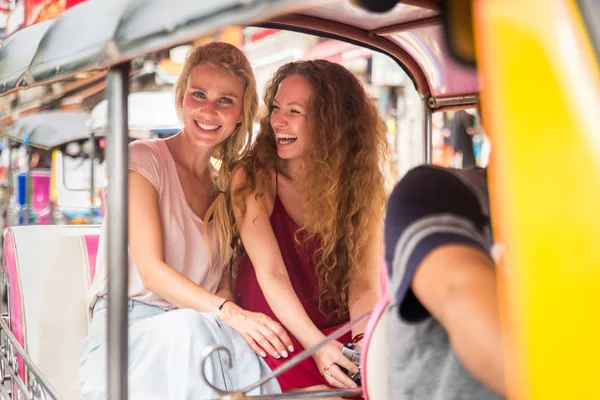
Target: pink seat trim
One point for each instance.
(91, 244)
(14, 295)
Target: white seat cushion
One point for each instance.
(376, 354)
(50, 265)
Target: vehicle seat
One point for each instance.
(49, 271)
(374, 358)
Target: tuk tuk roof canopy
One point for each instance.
(413, 33)
(349, 14)
(98, 34)
(17, 52)
(50, 129)
(445, 76)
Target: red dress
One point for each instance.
(299, 263)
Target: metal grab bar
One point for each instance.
(32, 369)
(319, 394)
(241, 393)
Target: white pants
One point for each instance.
(165, 354)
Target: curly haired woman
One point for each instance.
(308, 201)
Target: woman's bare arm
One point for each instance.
(261, 246)
(147, 249)
(365, 288)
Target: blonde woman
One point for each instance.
(179, 243)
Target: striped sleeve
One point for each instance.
(428, 208)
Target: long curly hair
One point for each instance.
(343, 181)
(231, 149)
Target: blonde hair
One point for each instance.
(344, 185)
(231, 149)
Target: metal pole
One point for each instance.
(92, 185)
(427, 132)
(117, 228)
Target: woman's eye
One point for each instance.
(274, 107)
(295, 111)
(226, 100)
(199, 95)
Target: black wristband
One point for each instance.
(218, 313)
(222, 304)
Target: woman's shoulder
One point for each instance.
(147, 158)
(240, 186)
(147, 146)
(240, 173)
(149, 150)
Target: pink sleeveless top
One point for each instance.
(301, 269)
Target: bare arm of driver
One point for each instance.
(146, 247)
(365, 288)
(457, 285)
(261, 246)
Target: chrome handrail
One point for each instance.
(32, 369)
(313, 394)
(241, 393)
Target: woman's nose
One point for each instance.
(208, 108)
(278, 119)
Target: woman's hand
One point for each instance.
(262, 334)
(329, 359)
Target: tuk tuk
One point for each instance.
(538, 65)
(45, 196)
(70, 191)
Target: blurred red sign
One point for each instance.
(43, 10)
(261, 34)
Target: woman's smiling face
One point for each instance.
(289, 117)
(212, 104)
